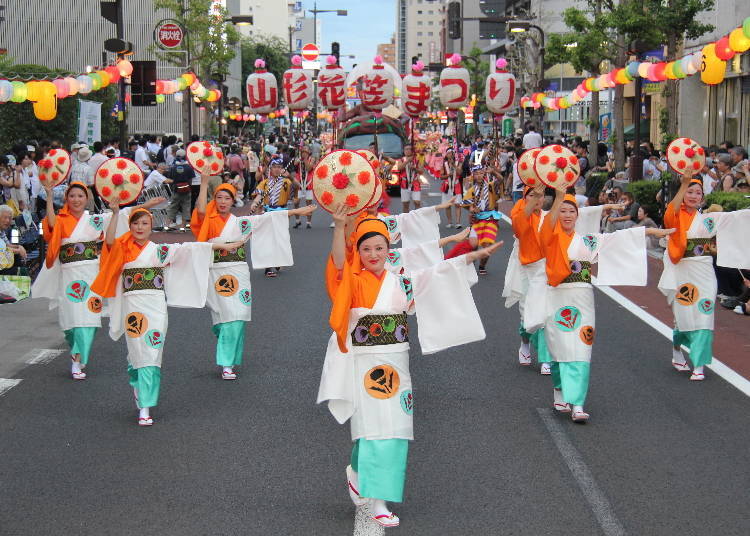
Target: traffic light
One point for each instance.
(335, 50)
(454, 20)
(143, 83)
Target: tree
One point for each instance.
(209, 40)
(585, 47)
(20, 124)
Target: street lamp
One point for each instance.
(240, 20)
(315, 11)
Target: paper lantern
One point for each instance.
(189, 78)
(669, 71)
(643, 69)
(723, 50)
(181, 83)
(687, 65)
(96, 81)
(19, 91)
(454, 85)
(632, 68)
(159, 87)
(331, 85)
(104, 76)
(417, 91)
(738, 41)
(178, 97)
(113, 73)
(651, 73)
(713, 69)
(62, 87)
(660, 71)
(251, 117)
(297, 86)
(6, 90)
(262, 90)
(677, 70)
(622, 76)
(125, 68)
(85, 84)
(72, 85)
(43, 94)
(160, 98)
(697, 61)
(500, 89)
(377, 87)
(588, 84)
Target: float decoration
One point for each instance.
(377, 87)
(500, 89)
(454, 84)
(262, 90)
(297, 85)
(332, 85)
(415, 98)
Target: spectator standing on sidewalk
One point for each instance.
(182, 175)
(142, 158)
(532, 138)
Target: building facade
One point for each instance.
(388, 51)
(420, 27)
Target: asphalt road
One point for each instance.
(660, 456)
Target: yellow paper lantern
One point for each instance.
(622, 77)
(669, 71)
(44, 96)
(738, 41)
(104, 75)
(712, 68)
(272, 116)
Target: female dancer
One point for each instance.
(688, 279)
(73, 239)
(451, 188)
(141, 278)
(229, 296)
(570, 321)
(373, 386)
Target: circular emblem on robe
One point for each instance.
(245, 226)
(407, 402)
(95, 304)
(394, 257)
(382, 382)
(136, 324)
(226, 285)
(687, 294)
(162, 252)
(77, 291)
(97, 221)
(587, 335)
(568, 318)
(706, 306)
(245, 296)
(155, 338)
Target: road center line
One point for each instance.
(7, 384)
(598, 502)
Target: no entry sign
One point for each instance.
(168, 34)
(310, 52)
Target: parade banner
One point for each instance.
(89, 121)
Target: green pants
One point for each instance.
(381, 467)
(230, 343)
(80, 340)
(538, 342)
(146, 381)
(573, 378)
(700, 343)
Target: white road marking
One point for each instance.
(41, 356)
(7, 384)
(598, 502)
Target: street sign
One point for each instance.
(168, 34)
(310, 52)
(311, 65)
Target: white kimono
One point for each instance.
(229, 292)
(571, 321)
(527, 284)
(690, 285)
(414, 227)
(141, 314)
(406, 260)
(361, 384)
(68, 284)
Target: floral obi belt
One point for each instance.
(700, 247)
(230, 255)
(580, 272)
(80, 251)
(378, 330)
(142, 279)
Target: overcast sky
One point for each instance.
(369, 23)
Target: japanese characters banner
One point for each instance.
(500, 89)
(262, 90)
(415, 99)
(454, 85)
(297, 86)
(331, 85)
(377, 87)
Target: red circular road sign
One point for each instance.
(168, 34)
(310, 52)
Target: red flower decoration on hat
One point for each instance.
(117, 179)
(55, 175)
(193, 149)
(552, 176)
(134, 178)
(681, 164)
(207, 151)
(326, 198)
(106, 191)
(524, 166)
(124, 195)
(675, 149)
(200, 163)
(345, 159)
(214, 167)
(340, 180)
(561, 162)
(53, 152)
(122, 164)
(573, 159)
(569, 176)
(61, 160)
(696, 165)
(321, 172)
(352, 200)
(103, 173)
(363, 177)
(557, 148)
(690, 152)
(544, 159)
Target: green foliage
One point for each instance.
(588, 42)
(645, 195)
(666, 136)
(595, 182)
(209, 39)
(19, 123)
(478, 70)
(729, 201)
(273, 49)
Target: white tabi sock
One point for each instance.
(698, 370)
(677, 357)
(75, 367)
(144, 413)
(578, 409)
(558, 396)
(525, 348)
(228, 370)
(378, 507)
